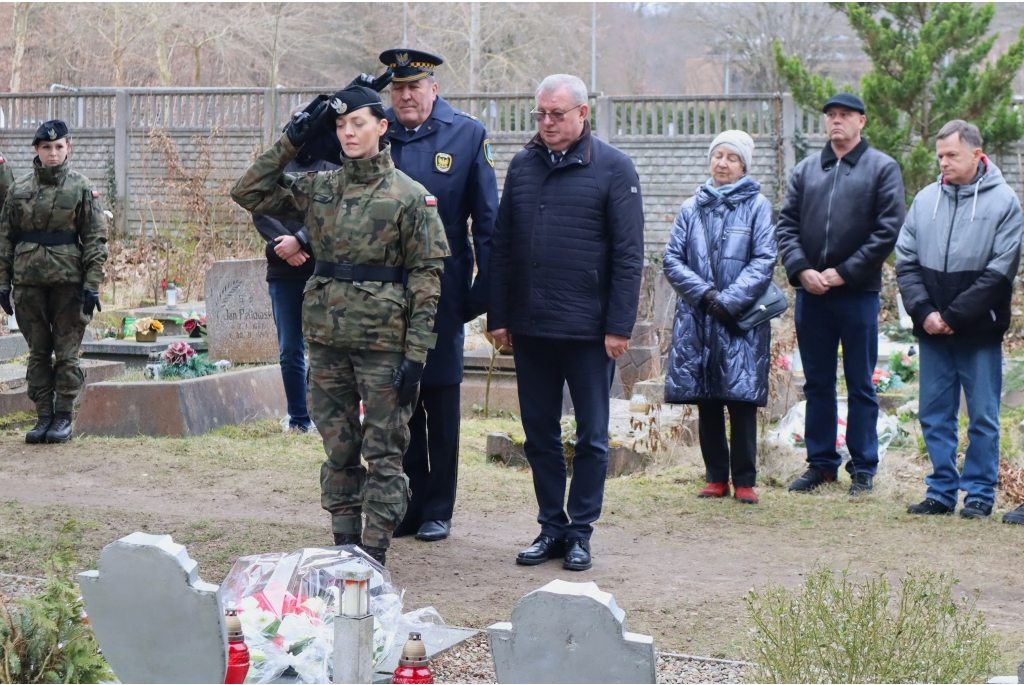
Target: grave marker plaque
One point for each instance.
(239, 316)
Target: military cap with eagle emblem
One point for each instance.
(410, 65)
(55, 129)
(351, 98)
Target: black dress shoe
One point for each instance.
(577, 556)
(543, 548)
(347, 539)
(60, 429)
(810, 480)
(432, 531)
(37, 435)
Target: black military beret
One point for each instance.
(352, 98)
(847, 100)
(410, 65)
(54, 129)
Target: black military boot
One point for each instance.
(379, 554)
(347, 538)
(38, 434)
(60, 430)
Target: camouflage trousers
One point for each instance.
(338, 379)
(53, 324)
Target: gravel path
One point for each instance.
(12, 587)
(470, 662)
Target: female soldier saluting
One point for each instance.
(53, 244)
(368, 310)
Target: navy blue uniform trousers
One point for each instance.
(543, 367)
(432, 460)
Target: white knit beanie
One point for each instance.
(737, 141)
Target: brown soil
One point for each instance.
(679, 566)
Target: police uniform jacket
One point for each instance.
(366, 213)
(450, 155)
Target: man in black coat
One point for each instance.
(566, 263)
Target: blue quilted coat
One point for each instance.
(707, 362)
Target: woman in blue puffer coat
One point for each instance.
(713, 363)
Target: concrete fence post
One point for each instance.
(788, 132)
(604, 117)
(269, 116)
(122, 122)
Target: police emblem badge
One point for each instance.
(443, 162)
(402, 58)
(488, 155)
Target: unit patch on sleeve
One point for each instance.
(443, 162)
(487, 152)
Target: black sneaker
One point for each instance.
(861, 483)
(1015, 516)
(931, 507)
(810, 480)
(976, 510)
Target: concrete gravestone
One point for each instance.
(239, 316)
(570, 633)
(154, 619)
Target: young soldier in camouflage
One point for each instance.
(53, 244)
(6, 179)
(368, 311)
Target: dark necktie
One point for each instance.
(556, 157)
(409, 133)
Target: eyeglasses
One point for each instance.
(539, 115)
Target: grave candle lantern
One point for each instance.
(353, 626)
(238, 652)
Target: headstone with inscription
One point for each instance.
(239, 317)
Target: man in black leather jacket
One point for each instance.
(838, 224)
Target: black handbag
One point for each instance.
(770, 304)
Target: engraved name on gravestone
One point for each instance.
(239, 316)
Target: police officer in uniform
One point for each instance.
(53, 244)
(448, 152)
(368, 310)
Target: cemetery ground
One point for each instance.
(678, 565)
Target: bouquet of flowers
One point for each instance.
(904, 366)
(172, 284)
(178, 353)
(148, 324)
(195, 325)
(181, 361)
(882, 380)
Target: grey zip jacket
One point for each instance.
(958, 253)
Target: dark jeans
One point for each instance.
(945, 369)
(543, 367)
(286, 300)
(718, 457)
(432, 460)
(822, 322)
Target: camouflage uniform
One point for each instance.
(48, 279)
(365, 213)
(6, 179)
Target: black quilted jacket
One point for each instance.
(567, 253)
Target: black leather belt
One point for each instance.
(360, 272)
(49, 238)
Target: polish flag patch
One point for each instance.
(431, 201)
(95, 194)
(1, 159)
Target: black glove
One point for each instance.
(378, 84)
(407, 381)
(305, 126)
(90, 300)
(724, 317)
(707, 298)
(5, 302)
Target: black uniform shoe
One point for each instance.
(432, 531)
(38, 433)
(379, 554)
(810, 480)
(543, 548)
(1015, 516)
(976, 510)
(60, 429)
(931, 507)
(347, 539)
(577, 556)
(862, 483)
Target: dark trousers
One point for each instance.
(822, 322)
(718, 454)
(432, 461)
(543, 367)
(286, 301)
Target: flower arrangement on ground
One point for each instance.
(904, 366)
(181, 361)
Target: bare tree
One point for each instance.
(20, 32)
(120, 25)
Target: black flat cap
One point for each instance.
(352, 98)
(410, 65)
(55, 129)
(847, 100)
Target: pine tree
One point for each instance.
(930, 64)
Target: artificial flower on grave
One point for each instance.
(193, 322)
(881, 379)
(174, 283)
(178, 353)
(147, 324)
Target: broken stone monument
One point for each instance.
(570, 633)
(239, 317)
(154, 618)
(642, 361)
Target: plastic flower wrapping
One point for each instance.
(287, 604)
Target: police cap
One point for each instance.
(352, 98)
(410, 65)
(55, 129)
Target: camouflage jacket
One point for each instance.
(52, 200)
(366, 212)
(6, 179)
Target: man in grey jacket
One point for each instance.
(956, 258)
